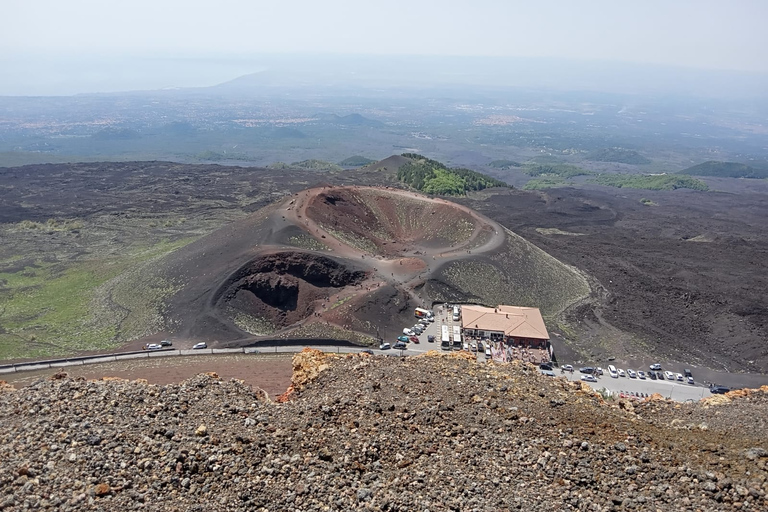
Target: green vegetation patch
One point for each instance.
(620, 155)
(50, 225)
(48, 309)
(554, 170)
(519, 274)
(648, 202)
(315, 165)
(356, 161)
(307, 242)
(432, 177)
(725, 170)
(544, 183)
(650, 182)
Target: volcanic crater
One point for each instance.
(281, 287)
(348, 263)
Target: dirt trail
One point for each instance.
(402, 271)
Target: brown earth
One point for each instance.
(271, 373)
(375, 433)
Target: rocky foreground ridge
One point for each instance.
(376, 433)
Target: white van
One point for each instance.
(612, 371)
(456, 313)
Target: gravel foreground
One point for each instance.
(357, 432)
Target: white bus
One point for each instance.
(445, 340)
(457, 345)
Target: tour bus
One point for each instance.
(457, 345)
(445, 340)
(456, 313)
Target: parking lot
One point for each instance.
(443, 316)
(670, 389)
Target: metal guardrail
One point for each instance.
(146, 354)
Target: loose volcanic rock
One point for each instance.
(373, 433)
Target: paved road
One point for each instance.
(675, 390)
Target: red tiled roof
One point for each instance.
(515, 321)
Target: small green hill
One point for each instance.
(559, 170)
(310, 165)
(620, 155)
(725, 170)
(650, 181)
(432, 177)
(356, 161)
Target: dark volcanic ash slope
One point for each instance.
(371, 433)
(687, 275)
(281, 287)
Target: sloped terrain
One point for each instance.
(368, 433)
(351, 263)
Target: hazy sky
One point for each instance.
(721, 34)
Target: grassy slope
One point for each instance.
(522, 275)
(50, 310)
(650, 182)
(725, 170)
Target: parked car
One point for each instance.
(641, 375)
(679, 377)
(599, 371)
(687, 373)
(690, 380)
(385, 346)
(200, 345)
(488, 352)
(632, 374)
(652, 375)
(587, 369)
(414, 339)
(568, 367)
(719, 390)
(480, 347)
(431, 338)
(399, 346)
(655, 367)
(404, 339)
(669, 375)
(546, 366)
(660, 375)
(166, 343)
(408, 332)
(588, 378)
(152, 346)
(367, 351)
(548, 373)
(612, 372)
(621, 373)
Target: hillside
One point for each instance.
(650, 181)
(725, 170)
(619, 155)
(376, 433)
(432, 177)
